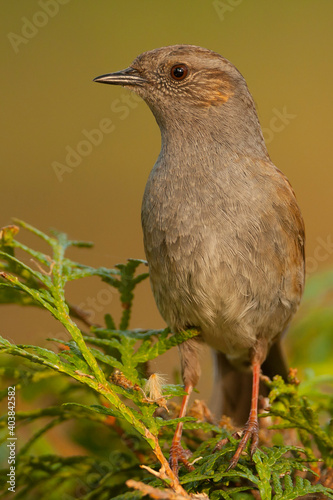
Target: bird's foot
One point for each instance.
(250, 432)
(178, 454)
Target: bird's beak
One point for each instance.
(128, 76)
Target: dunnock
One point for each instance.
(223, 233)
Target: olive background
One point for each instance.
(51, 50)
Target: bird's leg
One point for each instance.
(177, 453)
(189, 357)
(251, 428)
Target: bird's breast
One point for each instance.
(219, 246)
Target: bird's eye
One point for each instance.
(179, 71)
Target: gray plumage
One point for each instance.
(223, 233)
(218, 217)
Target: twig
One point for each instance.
(47, 273)
(78, 313)
(168, 494)
(165, 473)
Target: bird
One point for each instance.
(223, 233)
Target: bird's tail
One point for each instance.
(232, 388)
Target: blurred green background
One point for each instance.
(52, 50)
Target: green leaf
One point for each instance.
(43, 278)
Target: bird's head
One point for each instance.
(180, 74)
(186, 84)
